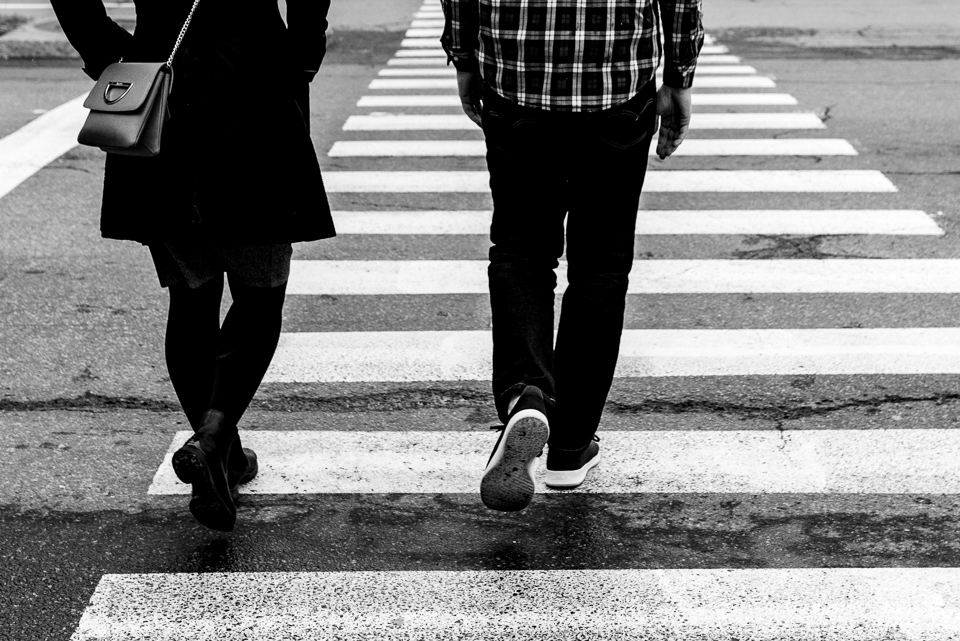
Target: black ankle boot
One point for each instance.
(203, 462)
(242, 467)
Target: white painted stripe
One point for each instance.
(708, 39)
(910, 461)
(26, 6)
(690, 147)
(332, 357)
(421, 53)
(800, 604)
(699, 99)
(791, 276)
(718, 60)
(701, 82)
(428, 14)
(425, 33)
(710, 49)
(435, 122)
(718, 70)
(413, 62)
(38, 143)
(412, 83)
(662, 222)
(719, 99)
(421, 43)
(433, 23)
(723, 82)
(437, 71)
(656, 181)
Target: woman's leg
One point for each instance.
(247, 342)
(193, 328)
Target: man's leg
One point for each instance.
(600, 241)
(528, 183)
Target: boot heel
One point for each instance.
(188, 464)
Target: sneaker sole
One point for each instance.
(507, 484)
(211, 505)
(566, 479)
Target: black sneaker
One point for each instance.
(507, 483)
(568, 468)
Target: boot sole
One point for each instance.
(507, 484)
(212, 502)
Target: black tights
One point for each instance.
(220, 368)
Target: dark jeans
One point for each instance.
(544, 167)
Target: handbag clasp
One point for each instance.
(115, 91)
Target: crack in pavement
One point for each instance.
(777, 413)
(789, 247)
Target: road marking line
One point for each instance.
(421, 53)
(331, 357)
(724, 82)
(781, 276)
(412, 62)
(708, 82)
(690, 147)
(443, 70)
(428, 23)
(663, 222)
(801, 604)
(448, 122)
(831, 181)
(424, 33)
(699, 99)
(710, 49)
(38, 143)
(909, 461)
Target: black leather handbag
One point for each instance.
(129, 104)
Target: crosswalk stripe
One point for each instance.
(690, 147)
(428, 23)
(345, 357)
(704, 62)
(699, 99)
(424, 33)
(699, 82)
(438, 70)
(411, 122)
(782, 276)
(38, 143)
(746, 181)
(800, 604)
(909, 461)
(421, 53)
(661, 222)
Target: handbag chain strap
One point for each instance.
(183, 32)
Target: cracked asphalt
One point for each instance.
(87, 411)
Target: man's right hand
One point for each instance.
(470, 88)
(673, 107)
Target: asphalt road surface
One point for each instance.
(780, 445)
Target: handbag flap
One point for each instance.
(124, 86)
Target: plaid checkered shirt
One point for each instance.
(573, 55)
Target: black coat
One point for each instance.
(236, 165)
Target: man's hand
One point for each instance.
(471, 94)
(673, 107)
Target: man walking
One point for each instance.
(565, 93)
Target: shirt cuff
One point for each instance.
(463, 61)
(677, 79)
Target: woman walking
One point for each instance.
(235, 183)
